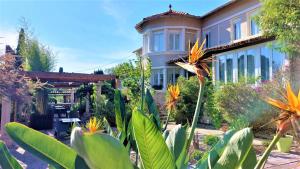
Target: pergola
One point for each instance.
(56, 80)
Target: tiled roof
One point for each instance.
(168, 13)
(224, 48)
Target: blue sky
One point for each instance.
(88, 34)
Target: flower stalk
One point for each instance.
(261, 163)
(167, 121)
(196, 114)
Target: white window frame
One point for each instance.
(161, 33)
(257, 64)
(233, 22)
(174, 33)
(249, 19)
(146, 43)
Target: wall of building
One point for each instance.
(172, 21)
(220, 24)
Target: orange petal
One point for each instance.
(293, 101)
(278, 104)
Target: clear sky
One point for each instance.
(88, 34)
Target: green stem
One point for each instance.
(261, 163)
(196, 114)
(167, 122)
(143, 86)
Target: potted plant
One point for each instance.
(284, 144)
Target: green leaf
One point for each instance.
(7, 161)
(153, 150)
(100, 150)
(108, 128)
(176, 143)
(212, 157)
(153, 108)
(119, 110)
(250, 160)
(237, 150)
(45, 147)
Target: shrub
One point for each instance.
(210, 106)
(242, 103)
(210, 140)
(188, 99)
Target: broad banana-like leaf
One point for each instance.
(153, 108)
(45, 147)
(176, 143)
(108, 128)
(237, 150)
(250, 160)
(212, 157)
(119, 110)
(153, 150)
(7, 161)
(100, 150)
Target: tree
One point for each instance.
(130, 74)
(281, 18)
(35, 57)
(21, 48)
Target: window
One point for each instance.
(254, 27)
(277, 60)
(251, 63)
(157, 79)
(146, 46)
(222, 69)
(265, 55)
(229, 68)
(262, 61)
(172, 75)
(208, 40)
(237, 31)
(190, 37)
(174, 40)
(158, 41)
(241, 65)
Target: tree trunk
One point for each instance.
(42, 101)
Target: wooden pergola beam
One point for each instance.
(67, 77)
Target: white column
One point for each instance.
(165, 79)
(99, 88)
(72, 96)
(235, 67)
(5, 118)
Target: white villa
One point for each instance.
(233, 39)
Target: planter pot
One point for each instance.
(284, 144)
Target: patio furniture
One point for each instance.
(63, 125)
(60, 112)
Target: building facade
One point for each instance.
(233, 40)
